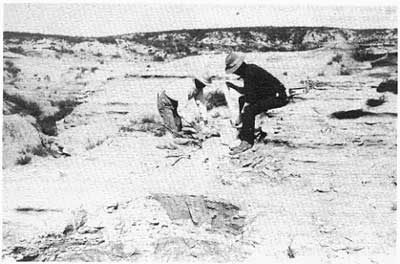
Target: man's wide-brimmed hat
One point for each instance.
(233, 62)
(204, 77)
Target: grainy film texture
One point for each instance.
(199, 132)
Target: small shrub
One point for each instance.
(93, 144)
(11, 68)
(145, 124)
(98, 54)
(83, 69)
(40, 151)
(344, 70)
(81, 72)
(18, 50)
(290, 252)
(67, 51)
(132, 50)
(127, 129)
(63, 50)
(116, 56)
(357, 54)
(337, 58)
(93, 69)
(24, 159)
(158, 58)
(148, 120)
(65, 106)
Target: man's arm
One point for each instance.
(202, 111)
(235, 87)
(187, 114)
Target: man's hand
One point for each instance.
(246, 104)
(235, 87)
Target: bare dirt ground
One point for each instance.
(316, 186)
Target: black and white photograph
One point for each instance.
(199, 131)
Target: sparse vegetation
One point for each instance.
(158, 58)
(290, 252)
(380, 75)
(17, 49)
(62, 50)
(337, 58)
(65, 106)
(81, 72)
(344, 70)
(93, 144)
(181, 43)
(40, 151)
(108, 123)
(146, 123)
(27, 105)
(11, 68)
(46, 111)
(148, 119)
(107, 40)
(24, 159)
(22, 36)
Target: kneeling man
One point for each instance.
(171, 96)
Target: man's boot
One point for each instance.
(237, 123)
(244, 145)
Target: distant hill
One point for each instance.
(259, 38)
(180, 43)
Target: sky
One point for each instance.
(111, 19)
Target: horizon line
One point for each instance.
(192, 29)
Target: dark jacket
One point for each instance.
(259, 84)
